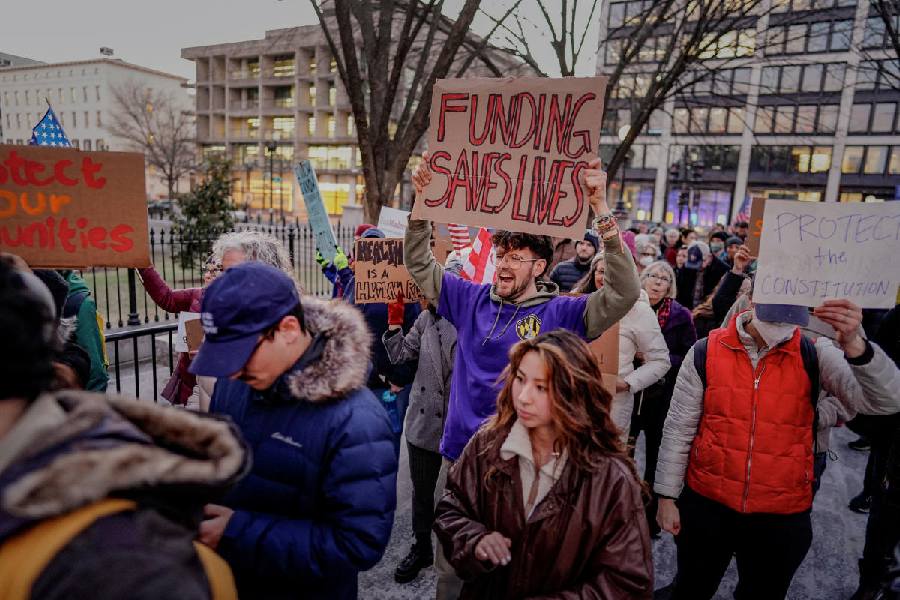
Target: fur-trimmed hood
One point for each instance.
(343, 359)
(72, 448)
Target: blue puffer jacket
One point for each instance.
(319, 502)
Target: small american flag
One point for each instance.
(48, 132)
(481, 265)
(743, 214)
(459, 236)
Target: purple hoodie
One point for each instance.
(486, 329)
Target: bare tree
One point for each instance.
(569, 26)
(154, 123)
(883, 36)
(670, 46)
(388, 54)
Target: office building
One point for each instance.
(270, 102)
(81, 93)
(801, 103)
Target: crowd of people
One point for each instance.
(279, 480)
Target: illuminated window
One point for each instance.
(283, 66)
(876, 160)
(311, 126)
(330, 123)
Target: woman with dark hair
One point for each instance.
(544, 501)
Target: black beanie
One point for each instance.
(59, 288)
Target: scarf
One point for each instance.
(662, 313)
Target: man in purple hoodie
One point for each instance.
(491, 318)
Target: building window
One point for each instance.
(894, 161)
(784, 119)
(312, 94)
(729, 44)
(853, 157)
(311, 126)
(72, 95)
(85, 98)
(97, 92)
(812, 78)
(883, 117)
(332, 66)
(821, 36)
(859, 118)
(349, 124)
(331, 126)
(828, 115)
(806, 119)
(876, 160)
(75, 143)
(74, 119)
(790, 159)
(283, 128)
(87, 144)
(101, 145)
(99, 121)
(332, 94)
(283, 66)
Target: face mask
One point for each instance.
(773, 333)
(716, 248)
(646, 261)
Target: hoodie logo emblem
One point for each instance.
(286, 439)
(209, 325)
(528, 327)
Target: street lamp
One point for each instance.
(270, 147)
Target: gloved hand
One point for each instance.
(396, 311)
(323, 262)
(340, 259)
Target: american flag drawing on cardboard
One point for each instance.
(49, 132)
(481, 264)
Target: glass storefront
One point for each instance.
(707, 208)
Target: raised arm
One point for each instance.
(622, 287)
(166, 298)
(420, 262)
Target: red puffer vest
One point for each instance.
(754, 447)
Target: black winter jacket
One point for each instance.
(568, 273)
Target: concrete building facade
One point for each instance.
(803, 105)
(81, 93)
(268, 103)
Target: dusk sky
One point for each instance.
(152, 34)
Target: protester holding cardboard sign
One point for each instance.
(758, 380)
(490, 318)
(512, 153)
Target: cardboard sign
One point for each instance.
(60, 207)
(606, 349)
(181, 341)
(816, 251)
(508, 153)
(392, 221)
(441, 249)
(757, 207)
(193, 330)
(380, 272)
(326, 242)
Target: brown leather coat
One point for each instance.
(587, 538)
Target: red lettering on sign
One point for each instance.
(59, 170)
(446, 107)
(44, 234)
(89, 170)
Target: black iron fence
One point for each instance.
(123, 302)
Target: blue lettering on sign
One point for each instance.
(858, 228)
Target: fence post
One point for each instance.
(291, 247)
(133, 318)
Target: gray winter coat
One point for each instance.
(869, 388)
(431, 340)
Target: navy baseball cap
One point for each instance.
(238, 306)
(782, 313)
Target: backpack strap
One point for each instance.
(811, 366)
(73, 303)
(218, 573)
(25, 556)
(700, 359)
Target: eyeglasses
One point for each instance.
(658, 277)
(515, 262)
